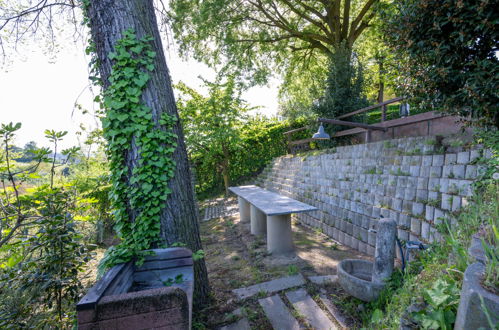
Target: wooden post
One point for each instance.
(383, 113)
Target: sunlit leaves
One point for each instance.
(128, 121)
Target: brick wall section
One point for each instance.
(406, 179)
(162, 308)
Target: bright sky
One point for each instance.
(41, 93)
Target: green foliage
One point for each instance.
(256, 40)
(442, 300)
(179, 279)
(292, 270)
(129, 122)
(211, 124)
(344, 89)
(221, 140)
(41, 248)
(429, 294)
(449, 50)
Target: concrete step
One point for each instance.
(279, 284)
(307, 307)
(278, 314)
(324, 279)
(334, 311)
(242, 324)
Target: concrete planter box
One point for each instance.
(131, 297)
(470, 314)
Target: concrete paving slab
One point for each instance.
(278, 314)
(325, 279)
(270, 286)
(242, 324)
(307, 307)
(334, 311)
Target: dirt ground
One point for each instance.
(236, 259)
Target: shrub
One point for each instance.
(449, 49)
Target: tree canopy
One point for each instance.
(259, 37)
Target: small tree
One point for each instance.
(450, 52)
(211, 124)
(344, 88)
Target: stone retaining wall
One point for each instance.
(410, 180)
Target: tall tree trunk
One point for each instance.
(225, 169)
(179, 218)
(381, 82)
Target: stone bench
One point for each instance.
(269, 213)
(142, 297)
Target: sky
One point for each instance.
(40, 91)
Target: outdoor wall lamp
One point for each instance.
(321, 135)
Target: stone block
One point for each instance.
(463, 157)
(471, 172)
(421, 194)
(407, 206)
(416, 226)
(424, 171)
(438, 216)
(354, 243)
(410, 194)
(434, 184)
(446, 203)
(404, 221)
(402, 234)
(456, 203)
(427, 160)
(371, 238)
(458, 171)
(447, 170)
(450, 159)
(422, 183)
(474, 154)
(432, 195)
(362, 247)
(400, 193)
(429, 212)
(396, 204)
(435, 171)
(425, 230)
(438, 160)
(418, 208)
(371, 250)
(414, 170)
(364, 235)
(347, 240)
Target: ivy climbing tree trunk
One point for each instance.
(108, 19)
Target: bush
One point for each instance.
(448, 50)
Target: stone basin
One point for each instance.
(355, 276)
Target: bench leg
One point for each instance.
(244, 210)
(279, 234)
(258, 221)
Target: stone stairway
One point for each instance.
(288, 305)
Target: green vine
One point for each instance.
(128, 122)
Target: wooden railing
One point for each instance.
(381, 105)
(383, 125)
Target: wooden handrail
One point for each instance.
(371, 107)
(295, 130)
(351, 124)
(301, 141)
